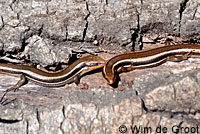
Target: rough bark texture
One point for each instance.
(49, 32)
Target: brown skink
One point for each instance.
(148, 58)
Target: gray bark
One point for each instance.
(48, 32)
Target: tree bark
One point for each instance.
(49, 32)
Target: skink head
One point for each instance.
(94, 62)
(110, 81)
(108, 76)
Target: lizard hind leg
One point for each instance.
(21, 82)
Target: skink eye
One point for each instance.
(90, 64)
(96, 64)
